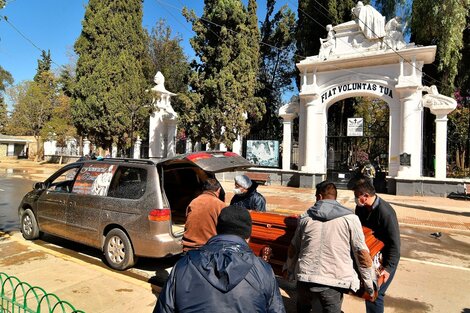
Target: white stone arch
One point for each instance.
(394, 68)
(390, 97)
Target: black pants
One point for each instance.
(329, 299)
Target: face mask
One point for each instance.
(358, 203)
(237, 191)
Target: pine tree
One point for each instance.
(224, 82)
(109, 100)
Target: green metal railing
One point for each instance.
(18, 296)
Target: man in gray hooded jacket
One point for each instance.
(327, 244)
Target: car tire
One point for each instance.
(118, 250)
(29, 225)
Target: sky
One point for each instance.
(36, 25)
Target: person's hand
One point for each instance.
(385, 274)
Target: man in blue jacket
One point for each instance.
(223, 275)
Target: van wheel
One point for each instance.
(29, 225)
(118, 250)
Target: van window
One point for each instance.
(94, 179)
(63, 182)
(128, 183)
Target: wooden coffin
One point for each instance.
(270, 237)
(272, 234)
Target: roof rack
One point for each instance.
(128, 160)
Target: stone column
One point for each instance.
(189, 146)
(237, 145)
(441, 146)
(137, 145)
(315, 132)
(440, 106)
(86, 146)
(411, 137)
(394, 137)
(171, 138)
(287, 141)
(114, 151)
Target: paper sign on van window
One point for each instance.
(94, 179)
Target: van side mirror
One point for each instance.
(39, 186)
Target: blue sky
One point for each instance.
(36, 25)
(54, 25)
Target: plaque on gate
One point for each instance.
(405, 159)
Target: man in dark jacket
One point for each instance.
(224, 275)
(378, 215)
(246, 195)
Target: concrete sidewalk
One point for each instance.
(88, 286)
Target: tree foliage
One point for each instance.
(223, 84)
(313, 16)
(442, 24)
(109, 100)
(32, 108)
(5, 80)
(277, 68)
(33, 102)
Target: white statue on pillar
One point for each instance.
(162, 132)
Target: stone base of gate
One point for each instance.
(425, 186)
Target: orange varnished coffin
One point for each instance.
(272, 234)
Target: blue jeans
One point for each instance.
(330, 299)
(378, 305)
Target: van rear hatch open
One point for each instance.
(182, 178)
(211, 161)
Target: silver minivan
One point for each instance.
(125, 207)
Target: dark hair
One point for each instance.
(211, 184)
(326, 189)
(362, 184)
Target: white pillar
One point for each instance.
(171, 138)
(137, 145)
(315, 134)
(287, 141)
(394, 140)
(114, 151)
(302, 127)
(237, 145)
(441, 146)
(189, 146)
(86, 146)
(411, 133)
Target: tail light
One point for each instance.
(159, 215)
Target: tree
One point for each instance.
(32, 109)
(33, 102)
(445, 24)
(442, 24)
(313, 16)
(223, 85)
(5, 80)
(60, 126)
(276, 67)
(44, 65)
(109, 100)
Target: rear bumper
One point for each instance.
(157, 246)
